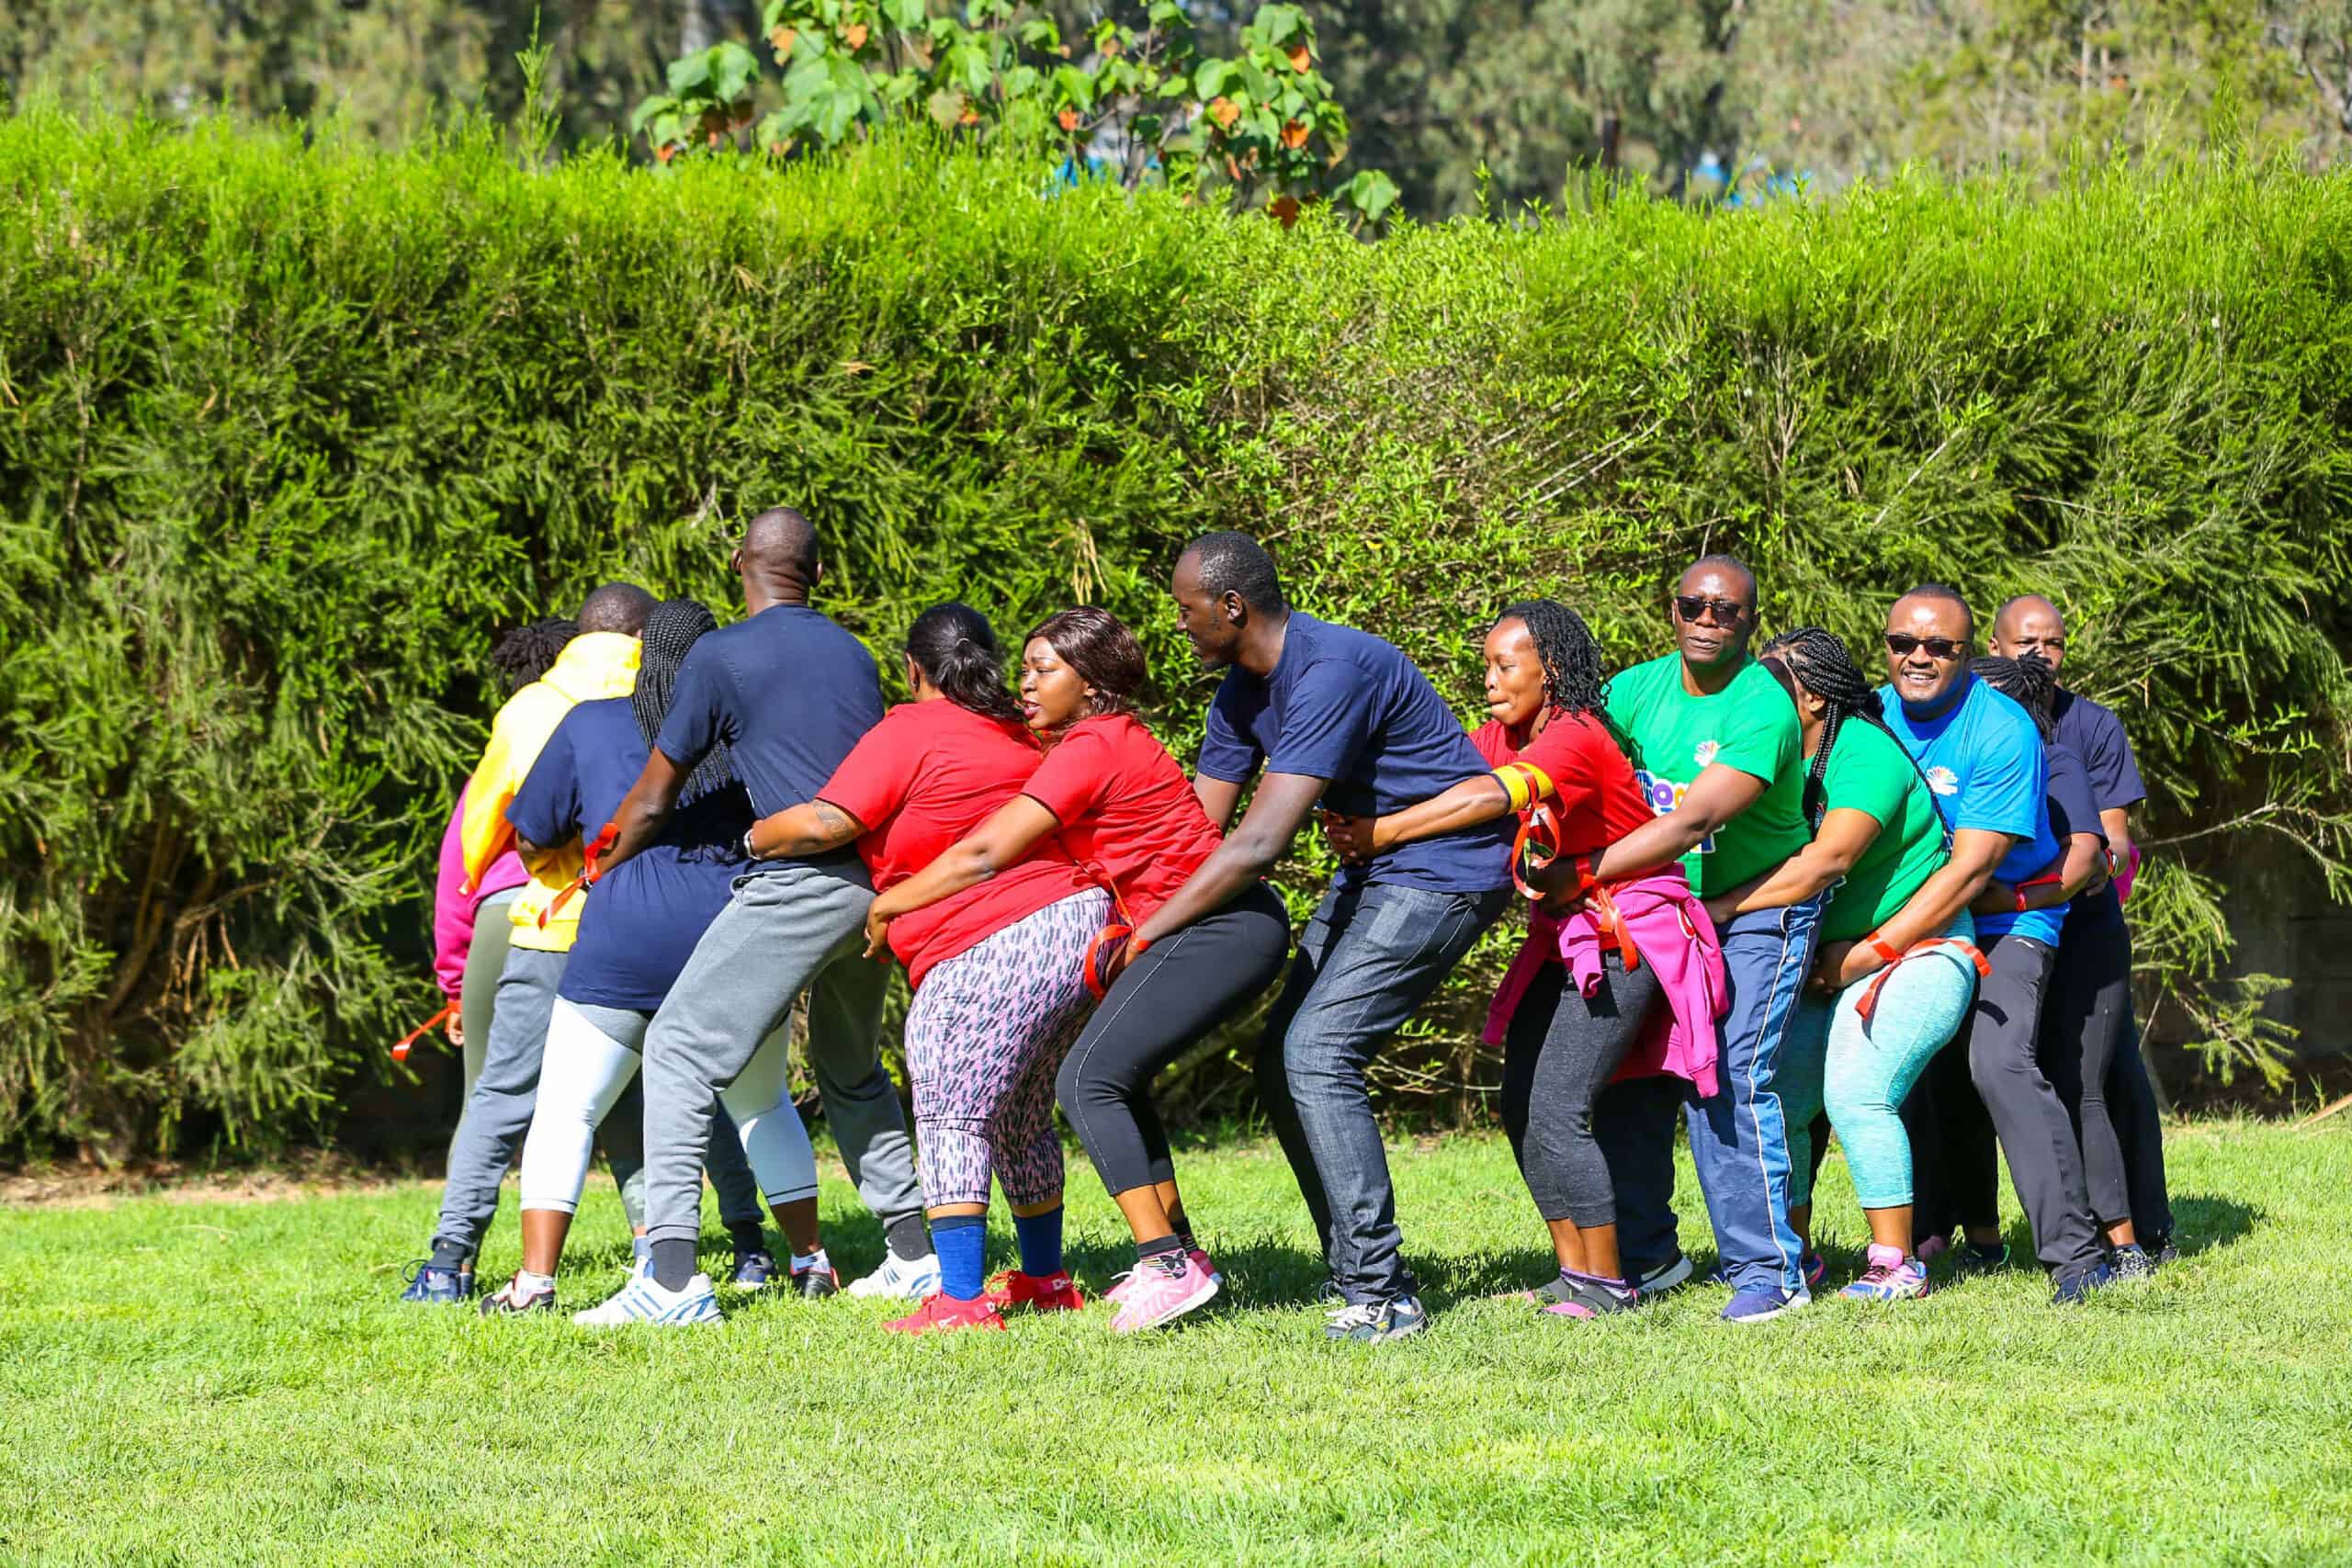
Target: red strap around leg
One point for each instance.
(1968, 950)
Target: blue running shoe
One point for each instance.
(755, 1270)
(643, 1300)
(429, 1285)
(1377, 1323)
(2076, 1284)
(1762, 1303)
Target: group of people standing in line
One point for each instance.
(1768, 895)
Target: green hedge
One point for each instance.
(288, 432)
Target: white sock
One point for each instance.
(529, 1284)
(815, 1259)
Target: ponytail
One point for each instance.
(956, 649)
(1817, 659)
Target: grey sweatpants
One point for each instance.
(791, 926)
(498, 1112)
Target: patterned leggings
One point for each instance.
(985, 1035)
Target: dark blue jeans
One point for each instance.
(1368, 958)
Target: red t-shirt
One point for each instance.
(926, 775)
(1593, 792)
(1126, 806)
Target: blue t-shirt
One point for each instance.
(640, 924)
(2096, 735)
(2074, 809)
(788, 691)
(1345, 705)
(1983, 757)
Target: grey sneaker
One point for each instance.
(1666, 1276)
(1376, 1322)
(2132, 1264)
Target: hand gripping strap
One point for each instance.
(1108, 944)
(1537, 846)
(588, 873)
(1967, 950)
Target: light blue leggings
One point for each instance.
(1862, 1072)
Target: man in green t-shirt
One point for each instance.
(1713, 739)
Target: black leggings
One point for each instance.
(2003, 1091)
(2091, 1052)
(1560, 1052)
(1184, 986)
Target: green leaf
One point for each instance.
(733, 71)
(1370, 193)
(690, 71)
(1253, 77)
(835, 115)
(660, 103)
(1077, 86)
(904, 15)
(1275, 24)
(1209, 78)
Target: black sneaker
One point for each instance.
(2161, 1250)
(2132, 1264)
(1565, 1297)
(816, 1283)
(754, 1270)
(1969, 1258)
(1377, 1323)
(2074, 1285)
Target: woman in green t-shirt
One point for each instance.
(1879, 838)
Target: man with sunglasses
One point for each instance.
(1983, 756)
(2117, 1118)
(1715, 745)
(787, 691)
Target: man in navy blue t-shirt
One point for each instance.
(788, 692)
(1335, 715)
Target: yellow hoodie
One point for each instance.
(592, 665)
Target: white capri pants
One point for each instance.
(594, 1052)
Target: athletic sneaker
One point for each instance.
(1377, 1323)
(1967, 1257)
(754, 1270)
(2132, 1265)
(1574, 1296)
(941, 1313)
(1762, 1303)
(643, 1300)
(1889, 1278)
(1330, 1294)
(2161, 1250)
(430, 1285)
(2074, 1285)
(1666, 1276)
(515, 1297)
(1201, 1261)
(816, 1282)
(1055, 1291)
(1162, 1287)
(900, 1279)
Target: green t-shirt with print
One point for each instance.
(1750, 724)
(1869, 771)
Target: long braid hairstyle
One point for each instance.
(1819, 662)
(672, 628)
(2029, 681)
(1564, 644)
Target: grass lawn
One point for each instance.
(234, 1382)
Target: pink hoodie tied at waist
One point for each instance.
(454, 903)
(1671, 932)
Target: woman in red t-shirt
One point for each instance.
(995, 968)
(1552, 749)
(1110, 792)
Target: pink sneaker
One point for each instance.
(1161, 1290)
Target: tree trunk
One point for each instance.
(704, 24)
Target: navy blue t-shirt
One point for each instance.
(2074, 809)
(638, 925)
(1345, 705)
(788, 691)
(2096, 735)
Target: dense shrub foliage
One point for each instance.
(288, 432)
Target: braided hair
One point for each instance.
(1817, 659)
(1564, 643)
(2029, 681)
(956, 648)
(525, 654)
(672, 628)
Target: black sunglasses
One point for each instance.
(1943, 649)
(1692, 606)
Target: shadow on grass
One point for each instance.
(2204, 1221)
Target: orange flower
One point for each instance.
(854, 35)
(1069, 119)
(1293, 135)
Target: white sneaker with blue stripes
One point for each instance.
(643, 1300)
(900, 1279)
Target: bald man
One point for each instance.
(787, 691)
(2089, 1037)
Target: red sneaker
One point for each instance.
(942, 1312)
(1039, 1292)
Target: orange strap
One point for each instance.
(401, 1046)
(1536, 847)
(588, 873)
(1107, 942)
(2046, 879)
(1968, 950)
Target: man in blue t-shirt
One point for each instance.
(788, 692)
(2098, 1067)
(1982, 755)
(1336, 716)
